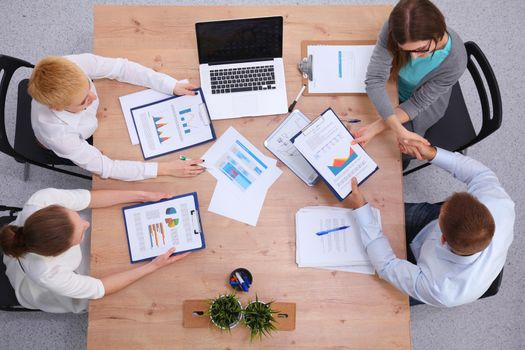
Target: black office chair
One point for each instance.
(8, 301)
(26, 148)
(455, 131)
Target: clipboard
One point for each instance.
(280, 145)
(339, 165)
(160, 132)
(307, 67)
(154, 227)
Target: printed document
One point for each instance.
(340, 250)
(153, 228)
(339, 69)
(326, 144)
(172, 124)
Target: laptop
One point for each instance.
(241, 67)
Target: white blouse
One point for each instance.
(52, 284)
(65, 133)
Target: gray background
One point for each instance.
(33, 29)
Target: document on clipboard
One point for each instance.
(153, 228)
(326, 144)
(172, 124)
(336, 67)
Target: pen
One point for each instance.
(241, 282)
(320, 233)
(292, 106)
(352, 120)
(200, 164)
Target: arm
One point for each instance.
(378, 73)
(404, 275)
(118, 281)
(98, 67)
(108, 198)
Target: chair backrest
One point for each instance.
(8, 301)
(491, 109)
(8, 66)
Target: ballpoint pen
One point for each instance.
(353, 121)
(320, 233)
(292, 106)
(243, 284)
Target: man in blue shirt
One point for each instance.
(458, 249)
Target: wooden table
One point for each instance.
(334, 309)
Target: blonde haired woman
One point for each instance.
(64, 112)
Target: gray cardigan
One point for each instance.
(429, 100)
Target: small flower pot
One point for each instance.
(224, 309)
(258, 317)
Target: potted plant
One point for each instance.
(258, 317)
(225, 311)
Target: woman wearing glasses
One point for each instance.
(417, 50)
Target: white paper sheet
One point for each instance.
(235, 159)
(341, 250)
(243, 175)
(339, 69)
(326, 144)
(127, 102)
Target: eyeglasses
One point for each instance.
(423, 50)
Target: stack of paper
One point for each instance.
(243, 175)
(341, 249)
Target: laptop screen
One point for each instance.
(240, 40)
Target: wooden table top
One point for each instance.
(334, 309)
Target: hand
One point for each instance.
(154, 196)
(181, 168)
(418, 150)
(367, 132)
(356, 199)
(184, 89)
(167, 258)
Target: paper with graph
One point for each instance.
(172, 124)
(153, 228)
(326, 144)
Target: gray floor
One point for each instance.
(33, 29)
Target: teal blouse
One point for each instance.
(416, 69)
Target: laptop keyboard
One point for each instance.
(242, 79)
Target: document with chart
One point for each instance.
(326, 145)
(153, 228)
(172, 124)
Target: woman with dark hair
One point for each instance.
(43, 250)
(416, 49)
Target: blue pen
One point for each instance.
(320, 233)
(243, 284)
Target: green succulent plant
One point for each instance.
(258, 317)
(225, 311)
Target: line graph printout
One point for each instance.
(326, 144)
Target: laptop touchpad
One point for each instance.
(245, 105)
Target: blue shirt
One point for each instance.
(416, 69)
(442, 278)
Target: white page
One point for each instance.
(339, 69)
(326, 144)
(279, 144)
(141, 98)
(244, 206)
(234, 159)
(172, 124)
(336, 249)
(154, 228)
